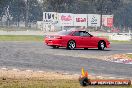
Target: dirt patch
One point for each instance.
(120, 58)
(17, 74)
(43, 75)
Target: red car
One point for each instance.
(76, 39)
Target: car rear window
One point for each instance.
(64, 32)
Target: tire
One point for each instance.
(55, 47)
(85, 48)
(71, 45)
(101, 45)
(85, 82)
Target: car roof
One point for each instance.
(77, 29)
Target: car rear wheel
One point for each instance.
(101, 45)
(71, 45)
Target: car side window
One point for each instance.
(85, 34)
(76, 33)
(81, 33)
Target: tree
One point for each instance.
(17, 8)
(32, 10)
(35, 11)
(58, 5)
(123, 16)
(3, 4)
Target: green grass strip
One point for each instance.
(28, 83)
(129, 55)
(21, 38)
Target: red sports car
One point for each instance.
(76, 39)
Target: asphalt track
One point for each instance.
(37, 56)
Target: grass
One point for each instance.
(11, 83)
(21, 38)
(129, 55)
(11, 28)
(121, 42)
(30, 83)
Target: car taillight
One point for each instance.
(58, 37)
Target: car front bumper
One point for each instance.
(108, 45)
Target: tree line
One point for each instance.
(32, 10)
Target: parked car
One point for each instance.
(72, 39)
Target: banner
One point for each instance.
(69, 19)
(94, 20)
(80, 20)
(66, 19)
(107, 20)
(50, 18)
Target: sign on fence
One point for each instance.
(69, 19)
(66, 19)
(80, 20)
(50, 18)
(94, 20)
(107, 20)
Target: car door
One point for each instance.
(87, 39)
(78, 39)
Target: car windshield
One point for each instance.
(64, 32)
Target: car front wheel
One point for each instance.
(101, 45)
(71, 45)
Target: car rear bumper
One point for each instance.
(53, 42)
